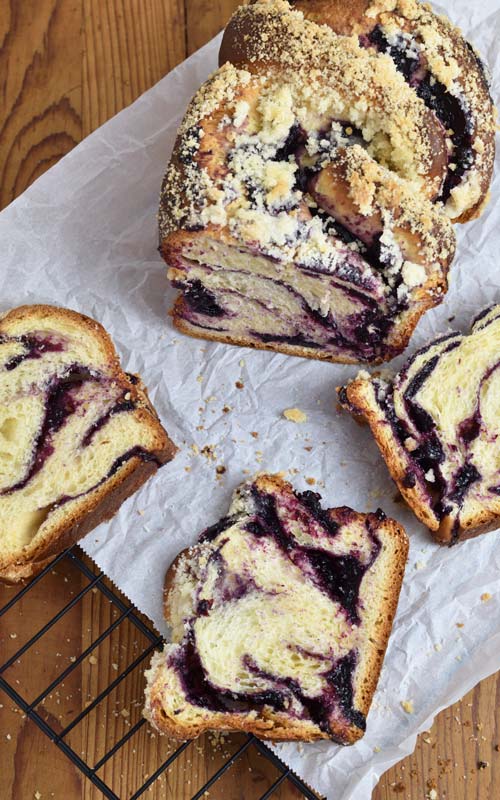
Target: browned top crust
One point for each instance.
(260, 34)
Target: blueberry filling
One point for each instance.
(35, 347)
(451, 113)
(121, 406)
(337, 575)
(449, 109)
(201, 300)
(211, 533)
(429, 456)
(201, 692)
(60, 404)
(298, 340)
(466, 476)
(405, 63)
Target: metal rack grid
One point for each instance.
(126, 611)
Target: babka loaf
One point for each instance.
(307, 204)
(280, 618)
(437, 425)
(77, 434)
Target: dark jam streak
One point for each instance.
(60, 404)
(35, 347)
(447, 108)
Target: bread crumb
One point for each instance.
(419, 565)
(407, 705)
(37, 795)
(125, 713)
(295, 415)
(239, 385)
(92, 660)
(433, 795)
(311, 481)
(254, 434)
(242, 362)
(114, 666)
(438, 647)
(199, 378)
(13, 635)
(485, 597)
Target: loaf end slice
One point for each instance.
(280, 619)
(436, 424)
(78, 435)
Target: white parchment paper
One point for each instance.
(84, 235)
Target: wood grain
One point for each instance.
(65, 67)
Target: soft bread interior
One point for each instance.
(445, 454)
(70, 419)
(261, 623)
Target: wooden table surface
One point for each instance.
(66, 66)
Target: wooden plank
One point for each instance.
(66, 66)
(128, 45)
(204, 19)
(40, 69)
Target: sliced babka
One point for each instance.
(437, 423)
(280, 618)
(77, 434)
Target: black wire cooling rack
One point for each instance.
(123, 611)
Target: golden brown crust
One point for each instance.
(359, 17)
(276, 726)
(104, 501)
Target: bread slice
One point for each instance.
(280, 618)
(77, 434)
(437, 425)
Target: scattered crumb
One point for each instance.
(407, 705)
(226, 409)
(125, 713)
(376, 749)
(37, 795)
(209, 452)
(295, 415)
(242, 362)
(438, 647)
(419, 565)
(239, 385)
(13, 635)
(460, 624)
(486, 597)
(92, 660)
(483, 764)
(199, 378)
(220, 470)
(432, 795)
(254, 434)
(311, 481)
(195, 449)
(115, 666)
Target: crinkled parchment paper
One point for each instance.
(84, 235)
